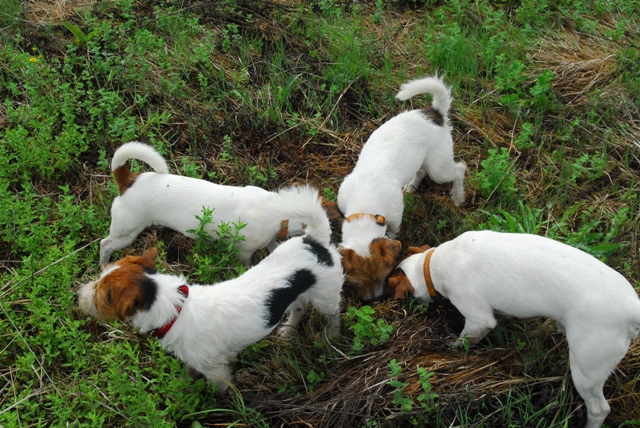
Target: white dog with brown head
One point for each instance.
(395, 158)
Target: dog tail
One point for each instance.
(302, 203)
(432, 85)
(141, 152)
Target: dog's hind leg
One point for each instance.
(457, 191)
(413, 184)
(593, 355)
(450, 172)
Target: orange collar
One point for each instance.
(376, 217)
(427, 274)
(284, 230)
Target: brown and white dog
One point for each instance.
(206, 326)
(397, 156)
(160, 198)
(523, 276)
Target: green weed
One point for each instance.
(426, 399)
(215, 259)
(498, 176)
(366, 330)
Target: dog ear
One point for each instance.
(125, 300)
(416, 250)
(146, 260)
(347, 255)
(332, 209)
(150, 255)
(399, 286)
(392, 247)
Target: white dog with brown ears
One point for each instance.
(160, 198)
(207, 326)
(396, 158)
(524, 276)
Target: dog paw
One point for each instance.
(409, 188)
(333, 332)
(286, 331)
(455, 344)
(457, 197)
(193, 373)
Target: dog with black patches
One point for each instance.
(484, 273)
(395, 159)
(206, 326)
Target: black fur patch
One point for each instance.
(434, 115)
(149, 292)
(280, 299)
(320, 251)
(150, 270)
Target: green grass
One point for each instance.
(545, 113)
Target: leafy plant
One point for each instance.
(215, 259)
(498, 175)
(542, 91)
(426, 399)
(406, 403)
(314, 377)
(523, 140)
(260, 176)
(81, 39)
(366, 330)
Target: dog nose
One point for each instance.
(374, 294)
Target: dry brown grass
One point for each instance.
(42, 13)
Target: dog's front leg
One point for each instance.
(220, 375)
(333, 325)
(294, 315)
(194, 373)
(475, 330)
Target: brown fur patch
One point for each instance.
(119, 294)
(367, 274)
(332, 209)
(399, 286)
(416, 250)
(434, 115)
(124, 178)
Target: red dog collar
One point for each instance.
(161, 331)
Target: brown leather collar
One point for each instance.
(379, 219)
(427, 274)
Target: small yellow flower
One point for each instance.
(33, 59)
